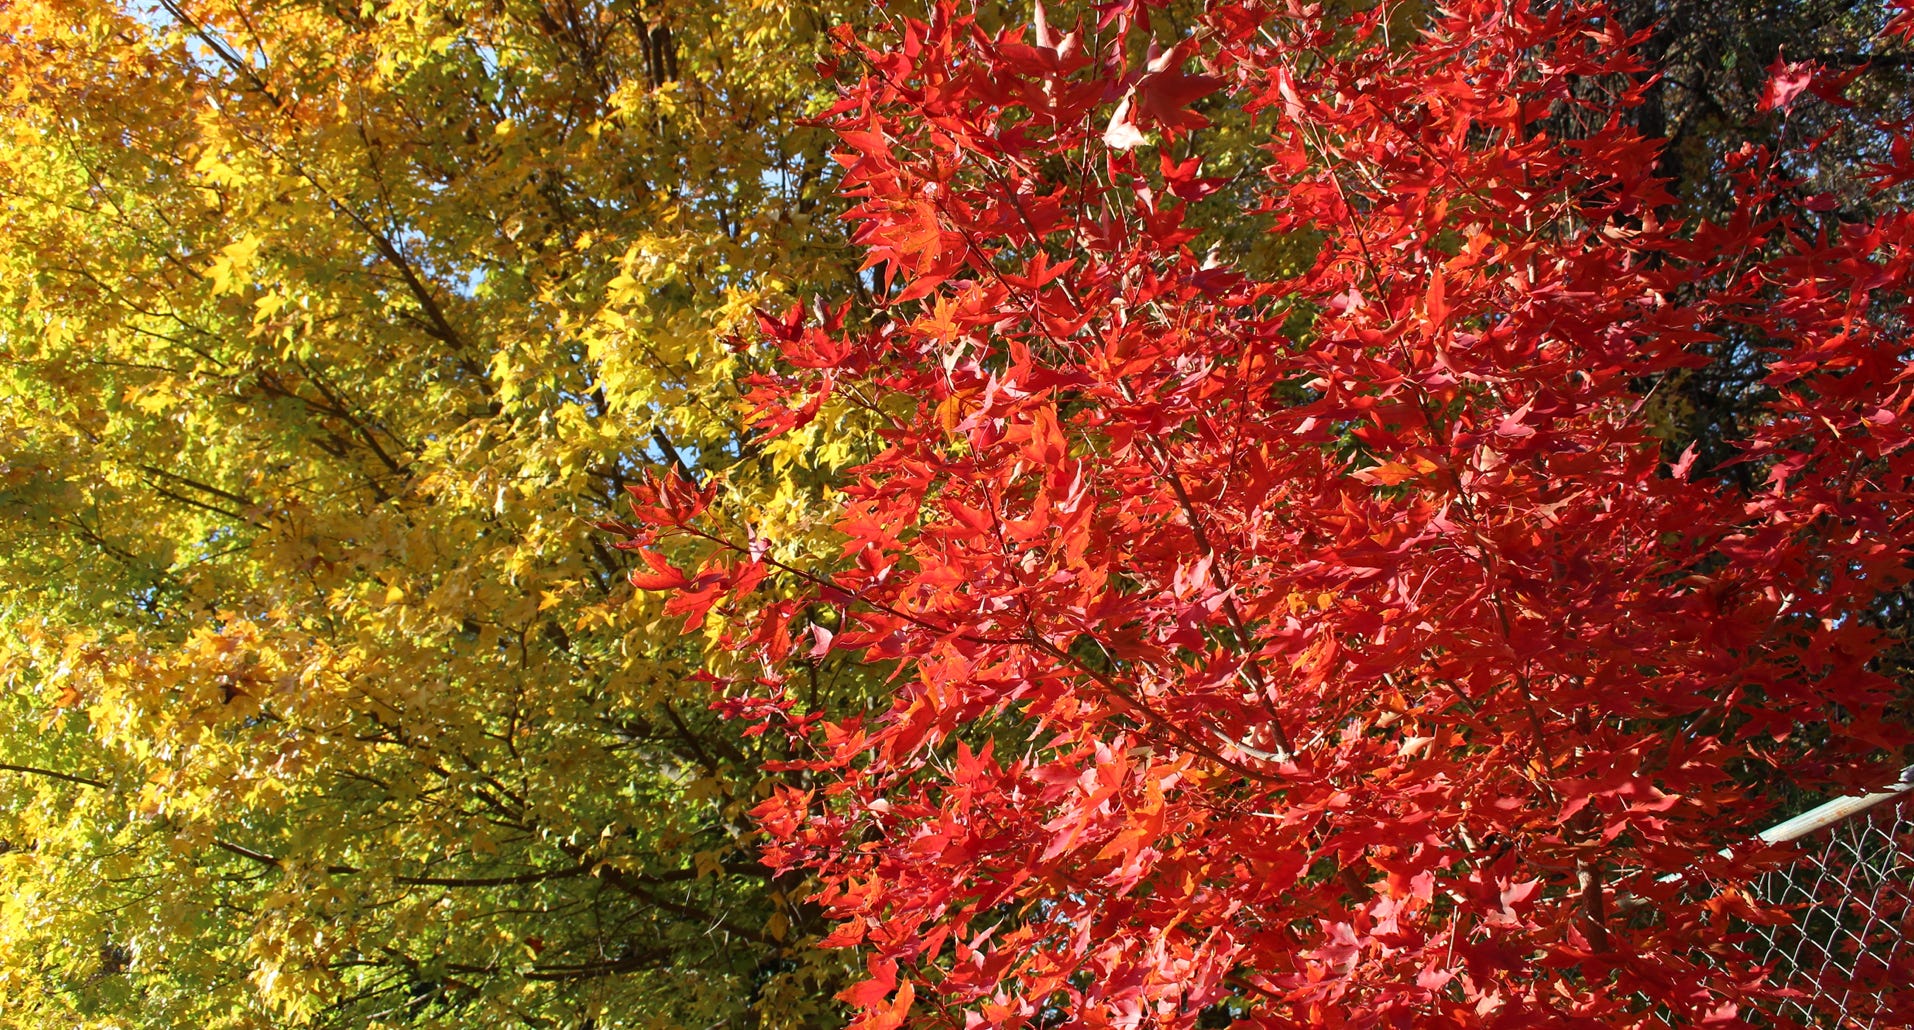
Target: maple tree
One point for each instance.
(321, 328)
(1326, 636)
(1714, 64)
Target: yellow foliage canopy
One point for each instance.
(324, 329)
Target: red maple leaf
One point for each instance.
(1786, 81)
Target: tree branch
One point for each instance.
(84, 781)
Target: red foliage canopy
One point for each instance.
(1339, 645)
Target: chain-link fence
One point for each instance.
(1849, 908)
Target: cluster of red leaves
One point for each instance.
(1336, 644)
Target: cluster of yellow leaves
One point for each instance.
(325, 329)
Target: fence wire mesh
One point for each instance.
(1848, 903)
